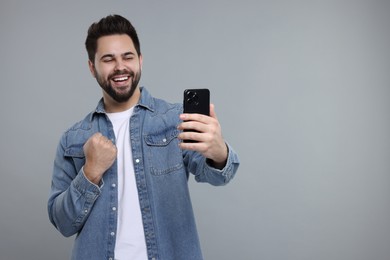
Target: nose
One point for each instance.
(119, 65)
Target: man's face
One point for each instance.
(117, 66)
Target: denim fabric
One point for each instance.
(77, 206)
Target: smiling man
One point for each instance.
(120, 175)
(117, 68)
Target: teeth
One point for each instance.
(121, 79)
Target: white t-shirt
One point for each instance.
(130, 237)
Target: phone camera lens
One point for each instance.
(192, 98)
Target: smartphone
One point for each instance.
(196, 101)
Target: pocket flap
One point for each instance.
(161, 138)
(75, 151)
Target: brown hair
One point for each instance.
(110, 25)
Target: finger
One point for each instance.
(191, 146)
(192, 117)
(193, 126)
(103, 139)
(107, 141)
(97, 135)
(195, 117)
(190, 135)
(212, 111)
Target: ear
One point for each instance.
(91, 68)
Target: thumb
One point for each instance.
(212, 111)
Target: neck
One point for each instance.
(112, 106)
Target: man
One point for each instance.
(120, 175)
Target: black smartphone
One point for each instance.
(196, 101)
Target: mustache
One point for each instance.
(122, 72)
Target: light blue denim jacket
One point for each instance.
(77, 206)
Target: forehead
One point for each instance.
(114, 44)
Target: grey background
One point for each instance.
(301, 89)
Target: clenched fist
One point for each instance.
(100, 154)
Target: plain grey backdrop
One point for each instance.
(301, 89)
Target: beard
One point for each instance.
(105, 84)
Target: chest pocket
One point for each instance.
(76, 154)
(163, 153)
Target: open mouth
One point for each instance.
(120, 79)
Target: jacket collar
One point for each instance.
(146, 101)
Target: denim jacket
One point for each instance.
(77, 206)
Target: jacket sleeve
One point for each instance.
(72, 195)
(197, 165)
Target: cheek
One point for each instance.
(103, 72)
(136, 68)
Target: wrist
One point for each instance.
(220, 163)
(88, 173)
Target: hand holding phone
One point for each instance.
(201, 129)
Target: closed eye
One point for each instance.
(128, 56)
(107, 58)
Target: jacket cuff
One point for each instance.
(86, 187)
(230, 161)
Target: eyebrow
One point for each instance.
(128, 53)
(113, 56)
